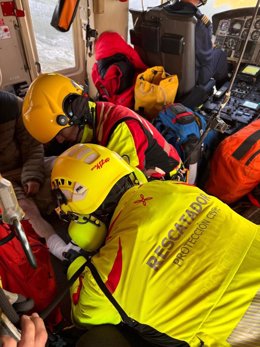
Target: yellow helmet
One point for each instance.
(84, 175)
(47, 106)
(88, 235)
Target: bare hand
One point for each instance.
(31, 188)
(33, 333)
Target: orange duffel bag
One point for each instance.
(235, 165)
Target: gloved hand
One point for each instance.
(20, 303)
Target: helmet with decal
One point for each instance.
(84, 175)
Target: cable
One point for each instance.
(215, 122)
(8, 309)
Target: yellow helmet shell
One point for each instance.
(85, 174)
(44, 102)
(88, 236)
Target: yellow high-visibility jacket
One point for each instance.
(135, 139)
(180, 262)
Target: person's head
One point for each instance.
(56, 106)
(88, 181)
(196, 2)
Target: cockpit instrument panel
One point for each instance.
(224, 25)
(231, 29)
(236, 27)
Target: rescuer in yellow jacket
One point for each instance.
(57, 109)
(177, 265)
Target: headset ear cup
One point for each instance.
(81, 112)
(62, 120)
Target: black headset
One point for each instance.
(77, 111)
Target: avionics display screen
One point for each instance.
(251, 105)
(235, 26)
(251, 70)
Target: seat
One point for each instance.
(168, 39)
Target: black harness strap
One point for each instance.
(45, 313)
(125, 318)
(143, 330)
(147, 332)
(246, 145)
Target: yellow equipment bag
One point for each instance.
(154, 88)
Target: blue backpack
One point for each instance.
(183, 128)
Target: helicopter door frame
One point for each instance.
(28, 36)
(14, 68)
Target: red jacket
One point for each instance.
(108, 86)
(134, 138)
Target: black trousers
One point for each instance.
(220, 65)
(112, 336)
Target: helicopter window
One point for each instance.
(55, 49)
(143, 5)
(211, 7)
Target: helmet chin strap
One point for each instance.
(90, 130)
(87, 136)
(107, 208)
(92, 115)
